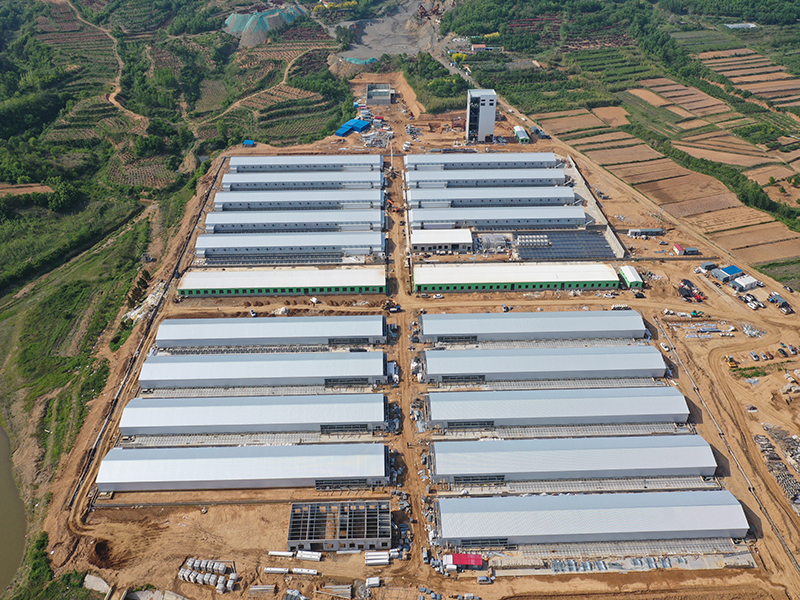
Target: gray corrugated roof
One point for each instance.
(489, 193)
(300, 196)
(595, 517)
(233, 467)
(279, 330)
(284, 277)
(562, 407)
(489, 174)
(578, 458)
(374, 177)
(147, 416)
(255, 369)
(256, 217)
(551, 325)
(550, 363)
(340, 239)
(500, 157)
(375, 160)
(495, 213)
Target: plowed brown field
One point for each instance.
(730, 218)
(693, 124)
(650, 97)
(566, 124)
(562, 113)
(708, 204)
(771, 252)
(762, 174)
(727, 158)
(612, 115)
(680, 189)
(756, 235)
(710, 54)
(603, 137)
(641, 152)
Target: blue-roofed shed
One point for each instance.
(732, 270)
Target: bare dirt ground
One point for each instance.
(728, 158)
(612, 115)
(762, 174)
(574, 123)
(137, 545)
(23, 188)
(641, 152)
(650, 97)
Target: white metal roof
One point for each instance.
(374, 177)
(630, 274)
(480, 157)
(549, 363)
(595, 517)
(299, 196)
(562, 407)
(746, 280)
(441, 236)
(265, 331)
(496, 213)
(512, 273)
(477, 92)
(284, 277)
(578, 458)
(246, 370)
(488, 174)
(566, 194)
(284, 217)
(372, 160)
(315, 239)
(235, 467)
(243, 414)
(550, 325)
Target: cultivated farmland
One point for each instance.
(690, 99)
(577, 122)
(757, 74)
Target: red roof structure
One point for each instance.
(468, 560)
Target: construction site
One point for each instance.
(438, 368)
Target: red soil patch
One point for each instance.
(638, 153)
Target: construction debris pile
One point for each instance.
(779, 470)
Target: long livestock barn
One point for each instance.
(572, 325)
(483, 178)
(505, 160)
(258, 370)
(299, 164)
(283, 281)
(594, 362)
(506, 218)
(513, 276)
(299, 200)
(282, 221)
(462, 463)
(278, 331)
(511, 521)
(242, 467)
(532, 408)
(338, 243)
(489, 196)
(253, 414)
(307, 180)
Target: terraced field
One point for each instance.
(755, 73)
(616, 68)
(697, 199)
(89, 121)
(85, 52)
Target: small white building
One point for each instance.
(431, 240)
(744, 283)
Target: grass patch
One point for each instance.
(787, 272)
(748, 372)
